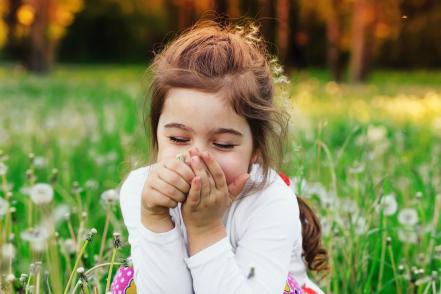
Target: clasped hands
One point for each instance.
(200, 185)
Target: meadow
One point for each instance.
(366, 157)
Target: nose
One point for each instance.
(193, 151)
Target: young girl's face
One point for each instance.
(191, 118)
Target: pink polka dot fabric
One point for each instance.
(123, 281)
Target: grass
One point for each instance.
(352, 148)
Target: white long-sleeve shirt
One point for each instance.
(263, 232)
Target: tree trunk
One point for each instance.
(186, 13)
(266, 19)
(233, 8)
(41, 54)
(333, 40)
(362, 40)
(283, 28)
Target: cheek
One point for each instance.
(232, 168)
(166, 151)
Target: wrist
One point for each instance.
(157, 223)
(200, 238)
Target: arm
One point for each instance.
(266, 242)
(157, 252)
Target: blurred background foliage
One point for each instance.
(350, 37)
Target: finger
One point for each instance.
(163, 200)
(169, 190)
(180, 168)
(237, 185)
(215, 170)
(194, 195)
(199, 169)
(174, 179)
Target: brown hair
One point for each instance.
(234, 61)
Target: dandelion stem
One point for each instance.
(103, 238)
(71, 231)
(383, 251)
(101, 265)
(28, 283)
(37, 282)
(394, 269)
(77, 262)
(109, 274)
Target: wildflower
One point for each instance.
(35, 235)
(376, 134)
(356, 168)
(4, 206)
(25, 190)
(10, 278)
(408, 217)
(60, 212)
(388, 204)
(360, 225)
(42, 193)
(3, 169)
(407, 236)
(110, 197)
(349, 205)
(40, 162)
(8, 251)
(69, 246)
(91, 184)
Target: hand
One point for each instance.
(167, 184)
(209, 195)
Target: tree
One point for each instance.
(42, 24)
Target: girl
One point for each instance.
(210, 214)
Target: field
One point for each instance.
(366, 157)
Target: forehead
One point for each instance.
(199, 110)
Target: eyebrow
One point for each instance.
(216, 131)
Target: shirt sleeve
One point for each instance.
(261, 261)
(158, 258)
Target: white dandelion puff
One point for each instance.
(69, 246)
(36, 237)
(3, 169)
(60, 212)
(408, 217)
(407, 236)
(42, 193)
(8, 251)
(376, 134)
(40, 162)
(110, 197)
(4, 206)
(388, 204)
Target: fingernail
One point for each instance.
(194, 159)
(206, 155)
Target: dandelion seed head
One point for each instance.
(388, 204)
(110, 197)
(3, 169)
(4, 207)
(23, 278)
(408, 217)
(69, 246)
(42, 193)
(419, 195)
(59, 213)
(10, 278)
(407, 236)
(8, 251)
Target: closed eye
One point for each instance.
(178, 140)
(224, 146)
